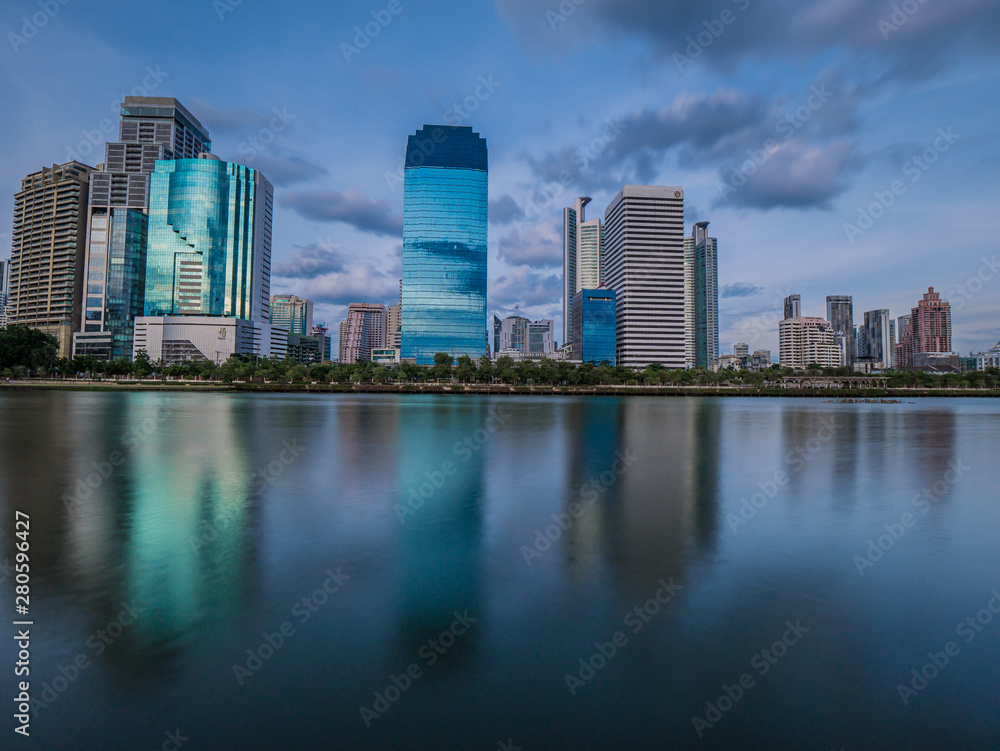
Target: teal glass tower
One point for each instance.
(209, 240)
(444, 244)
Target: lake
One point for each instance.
(223, 571)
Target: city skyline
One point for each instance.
(853, 129)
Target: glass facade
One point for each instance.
(444, 244)
(594, 326)
(209, 240)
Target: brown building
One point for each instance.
(927, 330)
(47, 251)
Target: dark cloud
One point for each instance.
(912, 45)
(504, 210)
(227, 121)
(349, 207)
(362, 283)
(740, 289)
(284, 170)
(310, 262)
(525, 288)
(540, 247)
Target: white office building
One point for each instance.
(644, 265)
(176, 339)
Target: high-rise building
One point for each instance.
(701, 298)
(293, 314)
(322, 332)
(803, 341)
(394, 320)
(208, 257)
(594, 329)
(793, 306)
(644, 265)
(878, 337)
(445, 199)
(741, 350)
(840, 314)
(583, 257)
(47, 251)
(362, 332)
(4, 271)
(903, 355)
(928, 330)
(151, 129)
(524, 339)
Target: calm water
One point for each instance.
(170, 534)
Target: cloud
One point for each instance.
(539, 248)
(525, 288)
(504, 210)
(227, 121)
(363, 283)
(312, 261)
(740, 289)
(284, 170)
(350, 207)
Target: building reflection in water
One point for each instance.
(440, 479)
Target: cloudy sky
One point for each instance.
(836, 146)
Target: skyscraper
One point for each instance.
(4, 270)
(529, 339)
(445, 199)
(362, 332)
(151, 129)
(644, 265)
(208, 260)
(928, 329)
(293, 314)
(840, 314)
(793, 306)
(903, 355)
(583, 256)
(803, 341)
(879, 337)
(47, 250)
(594, 329)
(701, 298)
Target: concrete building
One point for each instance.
(644, 265)
(151, 129)
(840, 314)
(701, 298)
(878, 338)
(583, 256)
(387, 357)
(175, 339)
(4, 271)
(530, 339)
(804, 340)
(307, 350)
(928, 330)
(988, 359)
(793, 306)
(741, 349)
(293, 314)
(394, 318)
(47, 252)
(362, 332)
(322, 333)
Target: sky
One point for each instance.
(836, 146)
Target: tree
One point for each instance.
(442, 366)
(28, 348)
(141, 365)
(466, 369)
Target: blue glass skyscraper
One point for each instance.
(209, 240)
(444, 244)
(594, 329)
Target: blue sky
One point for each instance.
(782, 120)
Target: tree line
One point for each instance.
(26, 352)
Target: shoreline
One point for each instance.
(493, 390)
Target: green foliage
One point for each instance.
(27, 348)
